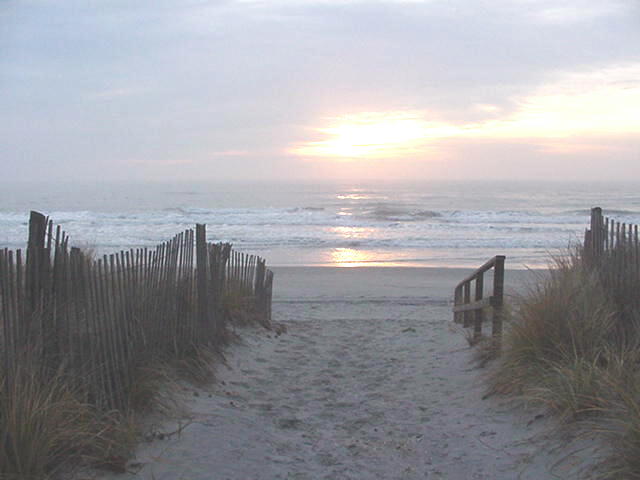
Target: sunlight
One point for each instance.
(373, 135)
(349, 257)
(601, 102)
(353, 232)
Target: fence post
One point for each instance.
(202, 289)
(35, 258)
(597, 234)
(498, 297)
(588, 247)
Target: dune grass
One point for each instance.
(573, 346)
(49, 424)
(46, 426)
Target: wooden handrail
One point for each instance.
(471, 312)
(487, 266)
(485, 302)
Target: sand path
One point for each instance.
(375, 387)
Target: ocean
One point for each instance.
(435, 224)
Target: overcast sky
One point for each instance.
(325, 89)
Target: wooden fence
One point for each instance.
(97, 319)
(606, 235)
(613, 249)
(468, 311)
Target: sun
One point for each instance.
(367, 135)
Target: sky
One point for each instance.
(320, 90)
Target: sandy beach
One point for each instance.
(371, 381)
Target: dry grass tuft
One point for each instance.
(562, 322)
(45, 426)
(573, 345)
(198, 367)
(487, 349)
(238, 307)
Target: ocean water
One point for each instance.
(454, 224)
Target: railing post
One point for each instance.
(457, 300)
(467, 299)
(479, 313)
(269, 295)
(498, 295)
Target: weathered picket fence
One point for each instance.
(95, 320)
(613, 249)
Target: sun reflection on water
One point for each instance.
(353, 196)
(350, 257)
(353, 232)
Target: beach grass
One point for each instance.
(50, 422)
(572, 345)
(46, 426)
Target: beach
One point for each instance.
(163, 160)
(371, 380)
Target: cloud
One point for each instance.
(89, 84)
(576, 104)
(579, 11)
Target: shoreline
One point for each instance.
(422, 283)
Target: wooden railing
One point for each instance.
(468, 311)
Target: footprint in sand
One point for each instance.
(289, 423)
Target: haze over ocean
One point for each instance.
(443, 224)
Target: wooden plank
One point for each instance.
(270, 276)
(498, 297)
(588, 246)
(466, 288)
(7, 317)
(70, 316)
(479, 313)
(191, 288)
(472, 306)
(596, 232)
(611, 234)
(103, 389)
(21, 300)
(82, 333)
(489, 264)
(112, 370)
(636, 263)
(183, 279)
(173, 293)
(35, 253)
(202, 278)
